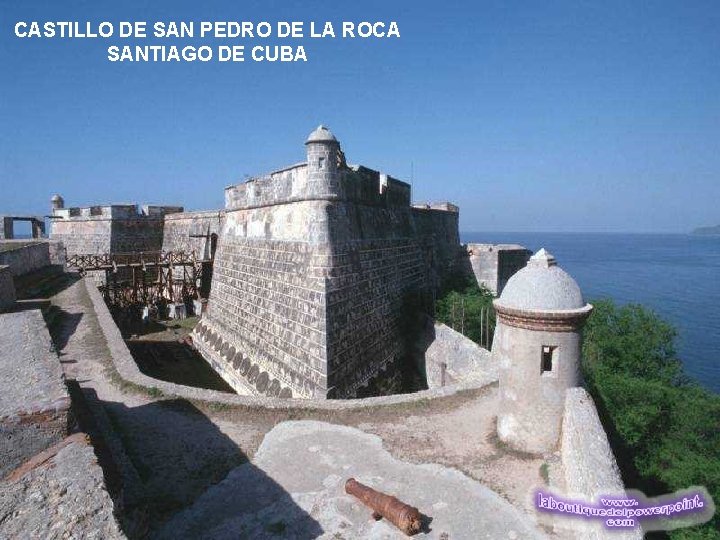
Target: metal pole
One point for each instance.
(482, 312)
(487, 332)
(452, 323)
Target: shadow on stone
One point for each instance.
(62, 325)
(44, 283)
(426, 521)
(175, 362)
(178, 453)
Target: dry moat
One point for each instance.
(309, 282)
(161, 350)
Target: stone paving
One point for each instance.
(172, 451)
(59, 494)
(34, 403)
(274, 496)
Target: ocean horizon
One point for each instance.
(676, 275)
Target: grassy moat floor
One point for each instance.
(168, 452)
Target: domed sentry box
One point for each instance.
(537, 345)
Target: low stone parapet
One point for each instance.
(128, 370)
(589, 464)
(452, 358)
(24, 256)
(34, 402)
(58, 493)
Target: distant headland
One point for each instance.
(708, 231)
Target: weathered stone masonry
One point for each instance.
(110, 229)
(315, 266)
(192, 232)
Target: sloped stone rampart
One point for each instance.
(34, 404)
(127, 369)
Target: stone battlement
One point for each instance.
(316, 268)
(114, 211)
(357, 184)
(114, 228)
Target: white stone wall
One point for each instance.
(23, 256)
(532, 402)
(589, 464)
(494, 264)
(463, 359)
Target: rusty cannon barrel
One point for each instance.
(405, 517)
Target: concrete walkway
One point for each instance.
(294, 488)
(177, 456)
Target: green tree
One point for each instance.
(664, 429)
(465, 307)
(634, 341)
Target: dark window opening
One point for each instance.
(546, 362)
(213, 245)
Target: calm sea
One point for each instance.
(676, 275)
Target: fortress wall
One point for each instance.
(190, 232)
(284, 272)
(359, 185)
(285, 185)
(267, 303)
(370, 292)
(32, 416)
(451, 358)
(107, 234)
(386, 261)
(442, 227)
(494, 264)
(117, 228)
(369, 187)
(83, 235)
(136, 234)
(57, 252)
(23, 256)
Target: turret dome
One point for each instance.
(57, 202)
(321, 135)
(541, 286)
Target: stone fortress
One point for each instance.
(316, 264)
(316, 270)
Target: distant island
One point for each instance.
(708, 231)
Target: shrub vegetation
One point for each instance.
(664, 429)
(464, 306)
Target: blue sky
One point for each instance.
(532, 116)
